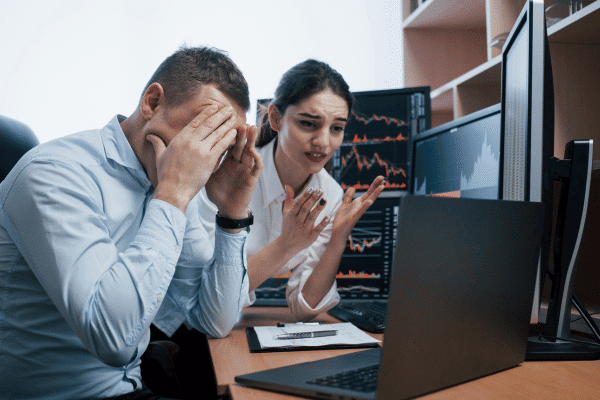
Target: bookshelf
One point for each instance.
(448, 46)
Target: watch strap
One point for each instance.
(228, 223)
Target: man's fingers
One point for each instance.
(258, 164)
(208, 121)
(250, 146)
(240, 143)
(226, 140)
(158, 144)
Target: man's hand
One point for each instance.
(186, 164)
(231, 186)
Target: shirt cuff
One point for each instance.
(229, 247)
(303, 311)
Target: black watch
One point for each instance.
(228, 223)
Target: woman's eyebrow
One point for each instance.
(307, 115)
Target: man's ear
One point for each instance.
(274, 118)
(152, 98)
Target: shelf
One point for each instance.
(447, 47)
(486, 73)
(447, 14)
(583, 27)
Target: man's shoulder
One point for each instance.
(82, 148)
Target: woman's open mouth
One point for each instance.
(315, 157)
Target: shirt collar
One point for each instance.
(118, 149)
(271, 185)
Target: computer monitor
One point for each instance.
(460, 158)
(377, 137)
(527, 99)
(529, 169)
(376, 142)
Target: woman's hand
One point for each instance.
(298, 230)
(351, 210)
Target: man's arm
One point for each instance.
(207, 294)
(108, 296)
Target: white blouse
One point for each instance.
(267, 207)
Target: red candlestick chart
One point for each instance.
(357, 164)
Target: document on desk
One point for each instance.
(274, 338)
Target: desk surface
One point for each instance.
(530, 380)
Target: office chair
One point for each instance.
(158, 360)
(16, 139)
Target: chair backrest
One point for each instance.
(16, 139)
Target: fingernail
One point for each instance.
(319, 191)
(322, 202)
(309, 190)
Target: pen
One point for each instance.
(306, 335)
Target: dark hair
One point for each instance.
(183, 73)
(298, 83)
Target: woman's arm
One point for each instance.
(298, 231)
(323, 276)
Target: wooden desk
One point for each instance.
(530, 380)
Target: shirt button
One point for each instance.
(177, 248)
(159, 298)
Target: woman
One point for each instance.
(302, 218)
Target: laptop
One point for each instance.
(459, 307)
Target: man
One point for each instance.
(99, 235)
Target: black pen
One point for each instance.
(306, 335)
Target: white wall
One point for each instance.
(70, 65)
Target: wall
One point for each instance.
(70, 65)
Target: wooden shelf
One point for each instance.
(447, 46)
(445, 14)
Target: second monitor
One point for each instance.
(460, 158)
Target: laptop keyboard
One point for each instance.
(367, 315)
(361, 380)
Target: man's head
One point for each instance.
(184, 85)
(183, 73)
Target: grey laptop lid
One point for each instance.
(460, 301)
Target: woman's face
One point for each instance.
(309, 133)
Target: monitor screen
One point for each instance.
(460, 158)
(377, 137)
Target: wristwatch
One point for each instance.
(228, 223)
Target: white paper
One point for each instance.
(347, 334)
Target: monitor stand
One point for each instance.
(556, 343)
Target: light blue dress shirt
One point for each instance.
(88, 260)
